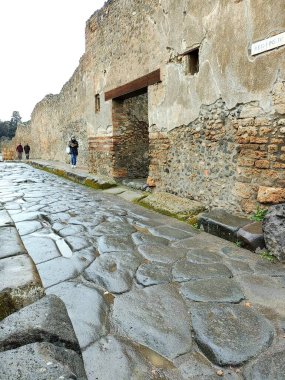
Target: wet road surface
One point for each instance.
(149, 297)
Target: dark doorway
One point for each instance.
(131, 135)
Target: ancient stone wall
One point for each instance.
(215, 133)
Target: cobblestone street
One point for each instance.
(149, 297)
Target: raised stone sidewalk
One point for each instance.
(148, 296)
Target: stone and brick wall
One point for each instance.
(215, 136)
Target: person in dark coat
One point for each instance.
(27, 151)
(19, 150)
(73, 145)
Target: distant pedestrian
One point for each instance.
(73, 145)
(27, 151)
(19, 150)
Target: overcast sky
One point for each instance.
(41, 42)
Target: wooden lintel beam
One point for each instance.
(135, 85)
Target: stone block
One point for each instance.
(10, 242)
(274, 231)
(46, 320)
(220, 223)
(271, 194)
(251, 236)
(173, 205)
(5, 219)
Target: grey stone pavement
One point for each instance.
(149, 297)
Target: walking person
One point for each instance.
(73, 145)
(27, 151)
(19, 150)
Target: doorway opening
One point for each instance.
(131, 135)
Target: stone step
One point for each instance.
(220, 223)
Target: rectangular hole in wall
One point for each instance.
(97, 103)
(192, 61)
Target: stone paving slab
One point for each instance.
(41, 361)
(129, 304)
(10, 243)
(5, 219)
(45, 320)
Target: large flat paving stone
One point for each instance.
(115, 243)
(28, 227)
(184, 271)
(40, 248)
(265, 290)
(115, 358)
(60, 269)
(172, 233)
(269, 366)
(144, 238)
(113, 228)
(113, 271)
(5, 219)
(146, 316)
(195, 366)
(221, 289)
(161, 253)
(153, 274)
(230, 334)
(204, 256)
(86, 308)
(10, 242)
(41, 361)
(45, 320)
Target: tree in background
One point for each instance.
(15, 119)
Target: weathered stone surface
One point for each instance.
(28, 227)
(25, 216)
(153, 274)
(113, 271)
(10, 243)
(203, 256)
(100, 182)
(171, 233)
(251, 236)
(274, 231)
(196, 366)
(114, 358)
(69, 268)
(108, 228)
(212, 290)
(271, 195)
(116, 243)
(45, 320)
(17, 272)
(90, 319)
(185, 270)
(140, 238)
(230, 334)
(182, 208)
(131, 195)
(77, 243)
(220, 223)
(40, 248)
(161, 253)
(5, 219)
(265, 290)
(146, 316)
(270, 365)
(41, 361)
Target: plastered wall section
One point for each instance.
(219, 105)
